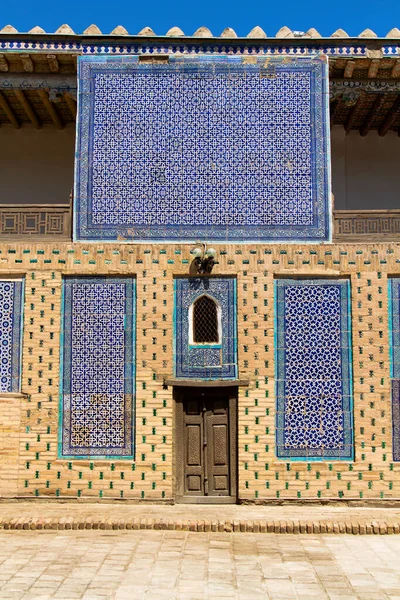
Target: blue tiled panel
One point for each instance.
(98, 367)
(223, 148)
(313, 370)
(10, 334)
(211, 361)
(394, 325)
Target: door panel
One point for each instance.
(206, 443)
(218, 451)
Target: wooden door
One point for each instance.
(206, 444)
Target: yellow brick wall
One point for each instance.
(29, 426)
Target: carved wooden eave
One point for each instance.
(364, 72)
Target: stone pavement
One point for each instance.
(42, 514)
(178, 565)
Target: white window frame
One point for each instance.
(191, 323)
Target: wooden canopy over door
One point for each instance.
(206, 444)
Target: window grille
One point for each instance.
(205, 321)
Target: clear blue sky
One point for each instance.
(326, 16)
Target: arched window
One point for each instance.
(205, 321)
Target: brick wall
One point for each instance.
(29, 426)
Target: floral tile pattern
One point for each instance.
(98, 367)
(313, 370)
(394, 327)
(10, 335)
(223, 148)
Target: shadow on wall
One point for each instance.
(365, 170)
(36, 167)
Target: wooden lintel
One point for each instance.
(22, 99)
(27, 63)
(396, 69)
(9, 111)
(71, 104)
(55, 117)
(3, 63)
(53, 63)
(349, 68)
(351, 117)
(391, 116)
(369, 119)
(207, 382)
(373, 68)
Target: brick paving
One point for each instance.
(178, 565)
(287, 519)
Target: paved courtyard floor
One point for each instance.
(157, 565)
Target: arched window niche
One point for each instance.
(205, 328)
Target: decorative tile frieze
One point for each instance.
(98, 367)
(313, 370)
(11, 306)
(205, 361)
(222, 148)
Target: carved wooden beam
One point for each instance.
(373, 68)
(71, 104)
(37, 81)
(53, 63)
(396, 69)
(27, 63)
(27, 108)
(3, 63)
(391, 116)
(366, 126)
(9, 111)
(336, 108)
(50, 109)
(351, 116)
(349, 68)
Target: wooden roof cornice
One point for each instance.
(38, 78)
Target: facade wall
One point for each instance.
(36, 167)
(33, 424)
(365, 170)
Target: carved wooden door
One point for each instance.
(206, 442)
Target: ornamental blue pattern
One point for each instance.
(98, 367)
(10, 335)
(223, 148)
(313, 370)
(394, 326)
(205, 361)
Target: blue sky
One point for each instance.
(352, 15)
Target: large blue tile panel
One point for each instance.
(313, 369)
(97, 383)
(223, 148)
(11, 304)
(209, 361)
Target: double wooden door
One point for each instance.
(206, 444)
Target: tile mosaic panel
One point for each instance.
(98, 367)
(394, 326)
(205, 361)
(396, 418)
(313, 370)
(223, 148)
(10, 335)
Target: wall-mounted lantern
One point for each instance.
(203, 262)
